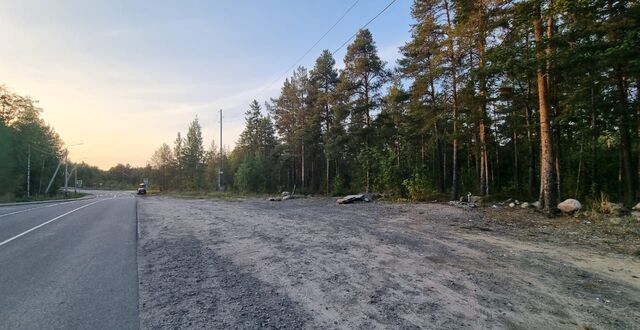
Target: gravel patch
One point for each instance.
(309, 263)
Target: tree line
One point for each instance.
(30, 149)
(533, 99)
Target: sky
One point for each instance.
(122, 77)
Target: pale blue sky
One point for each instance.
(104, 70)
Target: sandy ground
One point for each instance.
(309, 263)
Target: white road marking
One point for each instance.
(34, 208)
(46, 222)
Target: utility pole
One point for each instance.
(66, 173)
(46, 191)
(29, 170)
(41, 176)
(75, 180)
(220, 163)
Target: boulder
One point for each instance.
(475, 199)
(570, 206)
(525, 205)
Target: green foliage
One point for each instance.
(339, 186)
(250, 175)
(25, 138)
(419, 187)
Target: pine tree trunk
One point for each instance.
(454, 105)
(628, 179)
(547, 188)
(327, 174)
(624, 123)
(484, 153)
(302, 172)
(594, 138)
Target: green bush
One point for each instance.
(418, 187)
(339, 186)
(250, 175)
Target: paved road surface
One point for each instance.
(69, 265)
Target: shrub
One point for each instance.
(418, 187)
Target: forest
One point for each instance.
(25, 139)
(536, 100)
(530, 99)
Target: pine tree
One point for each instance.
(324, 79)
(361, 81)
(193, 155)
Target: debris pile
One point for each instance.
(353, 198)
(285, 196)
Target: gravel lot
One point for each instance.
(310, 263)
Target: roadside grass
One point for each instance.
(224, 195)
(10, 198)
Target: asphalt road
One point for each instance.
(69, 265)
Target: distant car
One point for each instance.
(142, 189)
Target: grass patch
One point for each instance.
(224, 195)
(9, 198)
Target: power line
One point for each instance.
(314, 45)
(364, 26)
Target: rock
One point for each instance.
(525, 205)
(570, 206)
(636, 214)
(475, 199)
(536, 204)
(285, 197)
(285, 193)
(512, 205)
(637, 207)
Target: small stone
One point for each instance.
(536, 204)
(637, 207)
(525, 205)
(512, 205)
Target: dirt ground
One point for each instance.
(310, 263)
